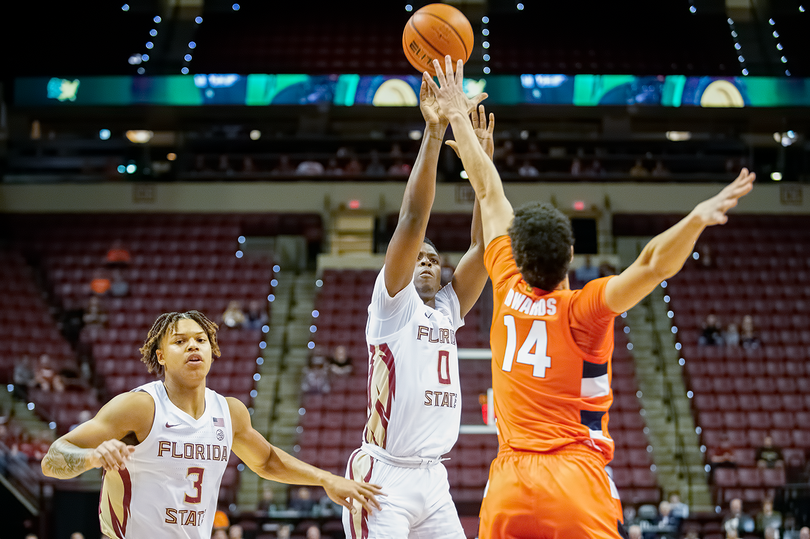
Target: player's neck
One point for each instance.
(190, 399)
(564, 284)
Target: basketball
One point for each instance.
(435, 31)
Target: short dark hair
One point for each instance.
(427, 240)
(541, 244)
(162, 325)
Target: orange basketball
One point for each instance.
(435, 31)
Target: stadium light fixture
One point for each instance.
(139, 136)
(679, 136)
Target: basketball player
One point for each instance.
(414, 402)
(551, 348)
(164, 446)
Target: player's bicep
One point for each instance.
(402, 252)
(124, 414)
(625, 290)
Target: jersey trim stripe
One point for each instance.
(381, 392)
(118, 496)
(360, 465)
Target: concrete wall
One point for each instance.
(383, 197)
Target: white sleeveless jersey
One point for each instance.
(171, 485)
(414, 397)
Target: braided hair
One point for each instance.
(162, 325)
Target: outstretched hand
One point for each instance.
(713, 211)
(451, 84)
(347, 492)
(481, 130)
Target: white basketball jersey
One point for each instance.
(171, 485)
(414, 397)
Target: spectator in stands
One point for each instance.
(804, 533)
(233, 317)
(236, 532)
(284, 167)
(587, 271)
(247, 164)
(660, 170)
(595, 169)
(225, 164)
(666, 522)
(737, 521)
(732, 534)
(634, 532)
(220, 533)
(527, 170)
(353, 167)
(119, 287)
(117, 255)
(399, 168)
(711, 334)
(679, 509)
(768, 455)
(309, 167)
(629, 512)
(24, 378)
(748, 335)
(639, 170)
(503, 151)
(302, 501)
(284, 531)
(375, 168)
(316, 375)
(95, 317)
(767, 517)
(340, 363)
(332, 168)
(267, 503)
(46, 376)
(731, 336)
(256, 316)
(100, 283)
(313, 532)
(576, 167)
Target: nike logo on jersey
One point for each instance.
(428, 315)
(171, 426)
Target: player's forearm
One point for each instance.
(667, 252)
(421, 187)
(65, 460)
(480, 169)
(284, 468)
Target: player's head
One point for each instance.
(176, 336)
(427, 274)
(542, 239)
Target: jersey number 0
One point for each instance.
(536, 340)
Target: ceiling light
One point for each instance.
(679, 136)
(139, 136)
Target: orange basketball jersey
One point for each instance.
(551, 354)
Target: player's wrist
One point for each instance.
(436, 130)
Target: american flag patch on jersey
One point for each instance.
(219, 422)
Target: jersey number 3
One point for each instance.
(536, 340)
(197, 485)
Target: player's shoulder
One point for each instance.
(135, 409)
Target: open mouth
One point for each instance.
(194, 358)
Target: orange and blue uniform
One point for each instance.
(551, 374)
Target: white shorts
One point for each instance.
(417, 504)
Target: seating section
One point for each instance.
(333, 423)
(761, 267)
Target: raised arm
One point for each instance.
(666, 253)
(97, 443)
(274, 464)
(496, 211)
(471, 274)
(419, 193)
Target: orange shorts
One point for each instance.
(564, 494)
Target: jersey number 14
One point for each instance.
(532, 351)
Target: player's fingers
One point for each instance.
(452, 144)
(459, 73)
(423, 91)
(431, 84)
(440, 76)
(482, 116)
(448, 70)
(491, 126)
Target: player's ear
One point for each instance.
(159, 354)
